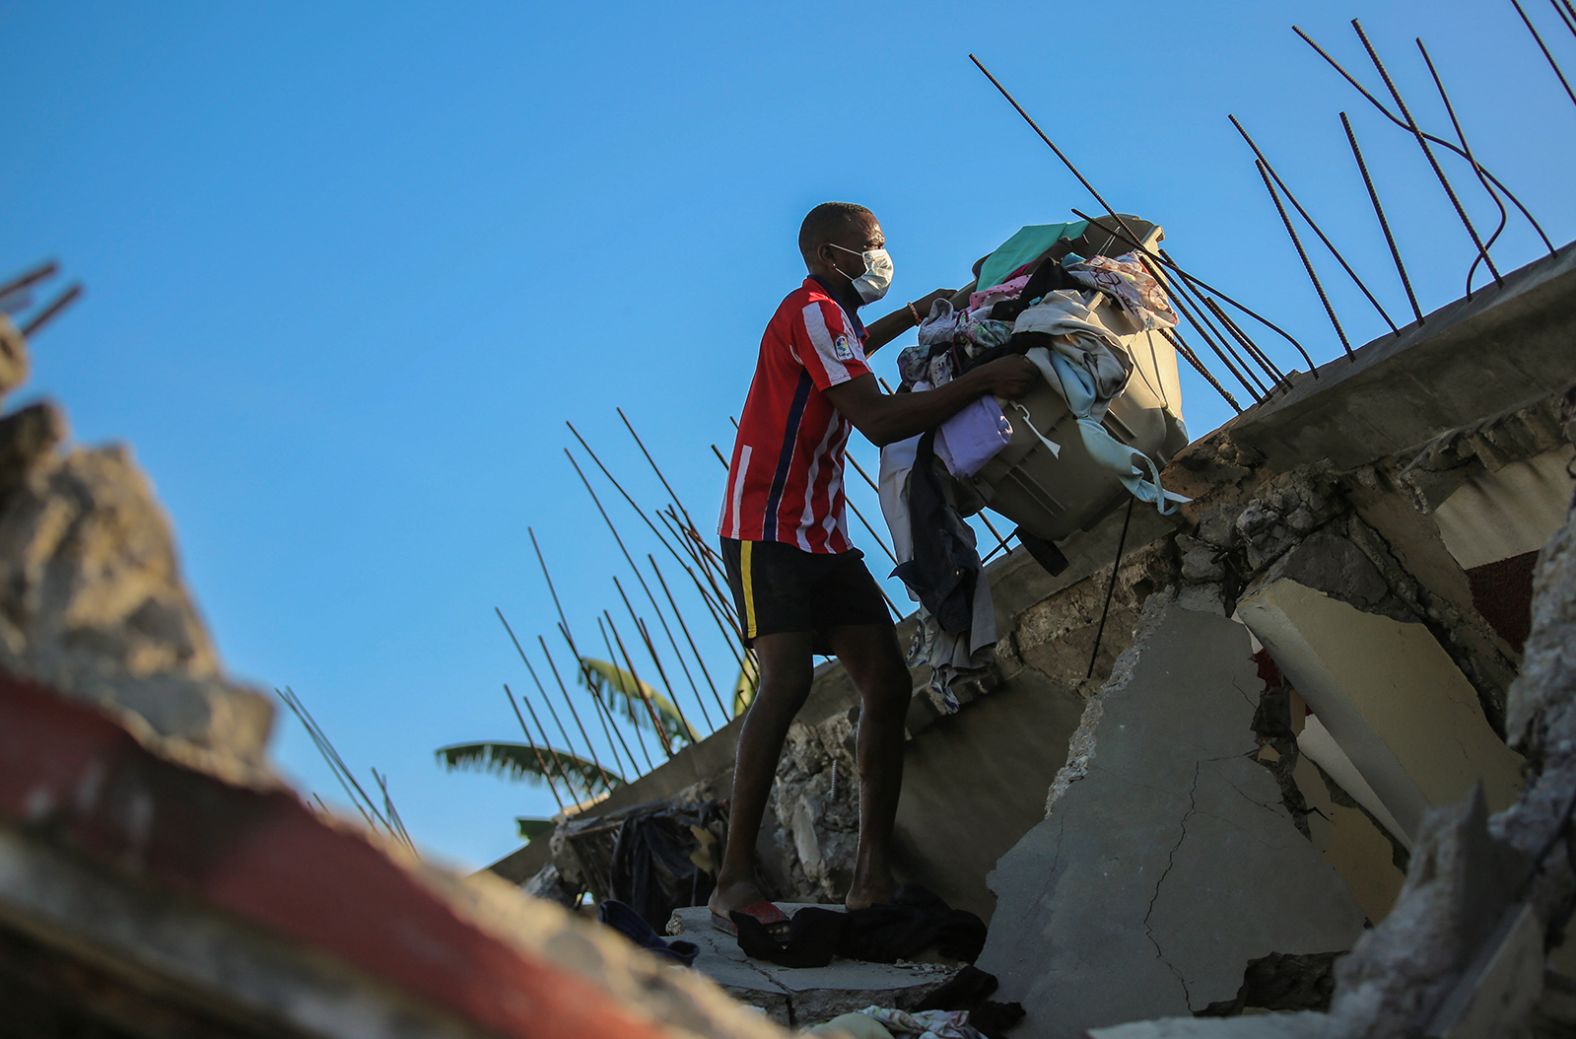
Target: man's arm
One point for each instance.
(884, 419)
(885, 329)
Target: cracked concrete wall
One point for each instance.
(1167, 860)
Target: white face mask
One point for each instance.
(872, 284)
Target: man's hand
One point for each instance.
(923, 304)
(1009, 377)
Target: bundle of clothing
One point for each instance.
(1034, 299)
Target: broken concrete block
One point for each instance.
(1390, 696)
(804, 995)
(1166, 861)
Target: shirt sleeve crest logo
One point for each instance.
(842, 348)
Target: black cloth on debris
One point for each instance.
(971, 990)
(945, 565)
(651, 868)
(628, 923)
(916, 920)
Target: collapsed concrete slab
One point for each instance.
(1166, 861)
(802, 996)
(1378, 681)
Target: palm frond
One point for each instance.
(522, 761)
(626, 693)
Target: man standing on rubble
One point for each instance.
(800, 586)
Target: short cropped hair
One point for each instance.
(827, 220)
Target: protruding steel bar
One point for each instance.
(662, 673)
(1178, 344)
(1121, 543)
(620, 488)
(547, 700)
(47, 269)
(1236, 332)
(688, 638)
(1130, 236)
(723, 461)
(640, 687)
(653, 463)
(547, 744)
(1192, 359)
(612, 659)
(51, 310)
(1384, 224)
(651, 648)
(1308, 218)
(1253, 388)
(1428, 153)
(604, 710)
(726, 619)
(1499, 184)
(607, 734)
(1249, 347)
(16, 302)
(1544, 48)
(1165, 259)
(1567, 12)
(702, 553)
(541, 761)
(1450, 109)
(1307, 264)
(1180, 298)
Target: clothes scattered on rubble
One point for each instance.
(852, 1026)
(915, 921)
(924, 1024)
(653, 868)
(628, 923)
(970, 989)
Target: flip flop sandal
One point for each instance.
(762, 912)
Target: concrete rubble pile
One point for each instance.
(1302, 785)
(157, 879)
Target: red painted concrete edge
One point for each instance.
(73, 775)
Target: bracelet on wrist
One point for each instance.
(915, 314)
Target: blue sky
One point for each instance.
(351, 266)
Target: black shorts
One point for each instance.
(779, 588)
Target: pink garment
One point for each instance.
(1008, 289)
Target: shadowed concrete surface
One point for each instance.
(1165, 856)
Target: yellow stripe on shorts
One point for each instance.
(749, 590)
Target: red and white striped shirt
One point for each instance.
(785, 482)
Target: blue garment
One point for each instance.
(628, 923)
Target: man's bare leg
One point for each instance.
(871, 655)
(786, 667)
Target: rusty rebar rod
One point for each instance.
(552, 756)
(32, 276)
(1567, 12)
(640, 686)
(629, 698)
(1384, 224)
(1192, 359)
(1549, 57)
(541, 761)
(1248, 345)
(654, 468)
(1130, 236)
(721, 460)
(1428, 153)
(1307, 264)
(1499, 184)
(688, 638)
(1308, 218)
(1170, 335)
(1450, 110)
(51, 310)
(607, 734)
(1222, 350)
(547, 700)
(662, 673)
(604, 711)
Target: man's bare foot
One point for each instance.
(863, 896)
(731, 895)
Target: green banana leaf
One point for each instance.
(521, 761)
(623, 692)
